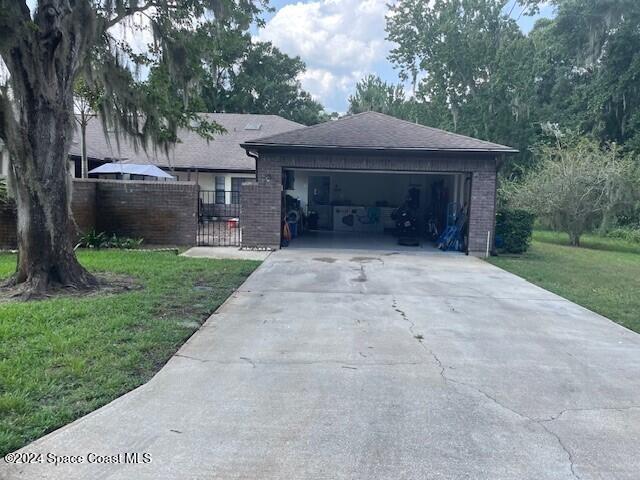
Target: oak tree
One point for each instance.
(45, 46)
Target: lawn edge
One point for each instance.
(136, 391)
(560, 297)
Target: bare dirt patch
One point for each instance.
(108, 284)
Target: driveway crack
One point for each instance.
(438, 362)
(419, 337)
(555, 417)
(248, 360)
(190, 358)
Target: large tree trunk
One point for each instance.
(38, 125)
(46, 230)
(574, 239)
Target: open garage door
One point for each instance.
(376, 209)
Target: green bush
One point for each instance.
(97, 240)
(626, 233)
(513, 230)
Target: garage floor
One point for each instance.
(358, 241)
(378, 366)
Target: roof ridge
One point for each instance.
(446, 132)
(309, 127)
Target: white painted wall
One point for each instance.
(301, 188)
(4, 163)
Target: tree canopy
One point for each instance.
(476, 73)
(576, 186)
(142, 60)
(373, 94)
(259, 78)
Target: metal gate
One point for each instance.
(219, 218)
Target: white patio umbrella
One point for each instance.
(133, 169)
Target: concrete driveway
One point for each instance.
(375, 365)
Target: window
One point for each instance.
(220, 189)
(253, 126)
(236, 183)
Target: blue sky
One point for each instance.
(341, 41)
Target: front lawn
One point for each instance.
(604, 278)
(62, 358)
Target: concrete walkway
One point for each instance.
(375, 365)
(226, 253)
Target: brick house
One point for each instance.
(348, 175)
(217, 165)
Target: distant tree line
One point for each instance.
(473, 71)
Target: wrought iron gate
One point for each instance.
(219, 218)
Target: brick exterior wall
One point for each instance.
(7, 226)
(261, 216)
(163, 213)
(83, 204)
(482, 212)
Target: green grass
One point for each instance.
(64, 357)
(591, 241)
(602, 275)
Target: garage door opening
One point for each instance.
(380, 210)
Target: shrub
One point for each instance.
(576, 184)
(97, 240)
(124, 242)
(93, 239)
(628, 234)
(513, 230)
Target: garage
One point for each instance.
(354, 209)
(372, 181)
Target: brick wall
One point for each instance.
(261, 200)
(260, 215)
(482, 212)
(268, 163)
(7, 226)
(163, 213)
(83, 204)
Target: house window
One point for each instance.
(236, 182)
(220, 189)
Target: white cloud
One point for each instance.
(339, 40)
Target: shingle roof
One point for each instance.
(222, 153)
(376, 131)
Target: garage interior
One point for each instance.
(375, 209)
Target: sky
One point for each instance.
(341, 41)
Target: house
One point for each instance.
(346, 177)
(216, 165)
(219, 165)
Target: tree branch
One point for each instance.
(3, 129)
(128, 12)
(8, 123)
(13, 11)
(13, 15)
